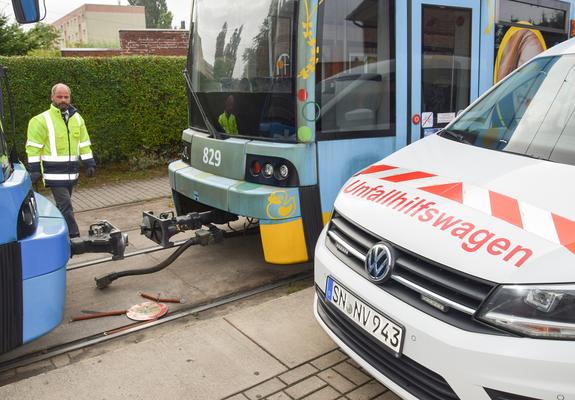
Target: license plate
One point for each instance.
(366, 317)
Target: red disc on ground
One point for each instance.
(302, 95)
(147, 311)
(416, 119)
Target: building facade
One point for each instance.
(99, 24)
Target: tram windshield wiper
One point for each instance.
(453, 135)
(211, 130)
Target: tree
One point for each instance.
(43, 36)
(157, 14)
(13, 41)
(226, 54)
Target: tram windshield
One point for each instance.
(241, 62)
(4, 163)
(532, 113)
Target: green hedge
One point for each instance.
(134, 107)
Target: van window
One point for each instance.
(532, 113)
(356, 69)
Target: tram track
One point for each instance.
(147, 250)
(131, 328)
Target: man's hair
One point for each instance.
(60, 84)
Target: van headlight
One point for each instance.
(539, 311)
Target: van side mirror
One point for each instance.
(26, 11)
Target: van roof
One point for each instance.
(566, 47)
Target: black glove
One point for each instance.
(91, 172)
(35, 176)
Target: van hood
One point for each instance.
(498, 216)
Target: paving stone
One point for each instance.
(297, 374)
(279, 396)
(368, 391)
(353, 363)
(238, 396)
(327, 393)
(303, 388)
(389, 395)
(61, 360)
(337, 381)
(122, 193)
(265, 389)
(352, 373)
(329, 359)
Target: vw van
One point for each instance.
(447, 270)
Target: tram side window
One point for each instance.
(356, 70)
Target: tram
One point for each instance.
(288, 99)
(34, 244)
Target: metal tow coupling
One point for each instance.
(160, 229)
(103, 237)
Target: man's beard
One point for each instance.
(61, 106)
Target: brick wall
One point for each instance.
(71, 52)
(161, 42)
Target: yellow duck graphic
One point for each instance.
(280, 205)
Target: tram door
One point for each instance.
(445, 62)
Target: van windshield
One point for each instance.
(532, 113)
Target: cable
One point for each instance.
(105, 281)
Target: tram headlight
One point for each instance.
(283, 172)
(27, 217)
(187, 152)
(268, 170)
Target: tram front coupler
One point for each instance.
(160, 228)
(103, 237)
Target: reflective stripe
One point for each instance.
(33, 159)
(34, 144)
(86, 156)
(61, 177)
(60, 158)
(538, 222)
(476, 197)
(78, 118)
(85, 144)
(51, 132)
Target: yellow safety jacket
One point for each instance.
(228, 123)
(55, 146)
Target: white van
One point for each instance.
(447, 269)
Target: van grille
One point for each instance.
(10, 297)
(413, 377)
(416, 280)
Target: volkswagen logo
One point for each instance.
(379, 262)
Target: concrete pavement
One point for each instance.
(269, 349)
(273, 350)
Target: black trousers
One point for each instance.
(63, 198)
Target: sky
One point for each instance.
(181, 9)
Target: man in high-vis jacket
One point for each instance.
(227, 120)
(57, 141)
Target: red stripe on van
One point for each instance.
(376, 168)
(505, 208)
(451, 191)
(566, 231)
(408, 176)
